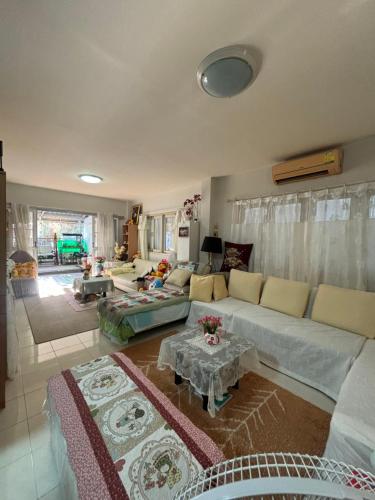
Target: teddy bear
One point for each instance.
(163, 268)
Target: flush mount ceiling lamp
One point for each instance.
(91, 179)
(227, 71)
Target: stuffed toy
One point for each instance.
(163, 268)
(157, 283)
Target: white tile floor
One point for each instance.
(27, 470)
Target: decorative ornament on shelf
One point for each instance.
(211, 329)
(120, 252)
(191, 207)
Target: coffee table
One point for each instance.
(98, 285)
(211, 370)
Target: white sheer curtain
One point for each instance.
(178, 218)
(22, 222)
(105, 236)
(143, 236)
(325, 236)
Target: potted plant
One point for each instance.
(211, 329)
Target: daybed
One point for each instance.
(123, 316)
(115, 435)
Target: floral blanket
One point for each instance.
(116, 313)
(133, 302)
(124, 438)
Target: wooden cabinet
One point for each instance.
(130, 239)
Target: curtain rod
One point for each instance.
(74, 212)
(161, 212)
(233, 200)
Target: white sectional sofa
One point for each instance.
(352, 433)
(328, 357)
(316, 354)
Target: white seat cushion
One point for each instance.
(316, 354)
(223, 308)
(352, 434)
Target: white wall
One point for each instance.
(165, 200)
(51, 198)
(358, 166)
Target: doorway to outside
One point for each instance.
(62, 239)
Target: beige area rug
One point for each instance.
(54, 318)
(260, 417)
(77, 305)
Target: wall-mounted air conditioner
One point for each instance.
(325, 163)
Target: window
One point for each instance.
(288, 212)
(168, 232)
(161, 233)
(332, 210)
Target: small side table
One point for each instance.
(98, 285)
(211, 370)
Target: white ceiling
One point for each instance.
(109, 87)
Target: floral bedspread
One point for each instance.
(116, 308)
(125, 439)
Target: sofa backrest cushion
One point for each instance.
(220, 287)
(245, 286)
(286, 296)
(352, 310)
(144, 266)
(179, 277)
(201, 287)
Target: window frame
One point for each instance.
(162, 233)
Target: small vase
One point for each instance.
(99, 269)
(212, 338)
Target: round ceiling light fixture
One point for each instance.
(91, 179)
(227, 72)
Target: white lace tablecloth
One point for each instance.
(210, 369)
(93, 285)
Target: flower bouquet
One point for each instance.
(191, 207)
(211, 328)
(99, 265)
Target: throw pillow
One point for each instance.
(286, 296)
(201, 288)
(179, 277)
(236, 256)
(352, 310)
(220, 287)
(245, 286)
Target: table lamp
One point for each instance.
(211, 244)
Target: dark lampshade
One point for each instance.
(211, 244)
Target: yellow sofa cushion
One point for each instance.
(220, 287)
(179, 277)
(352, 310)
(286, 296)
(245, 286)
(201, 287)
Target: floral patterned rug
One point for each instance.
(260, 417)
